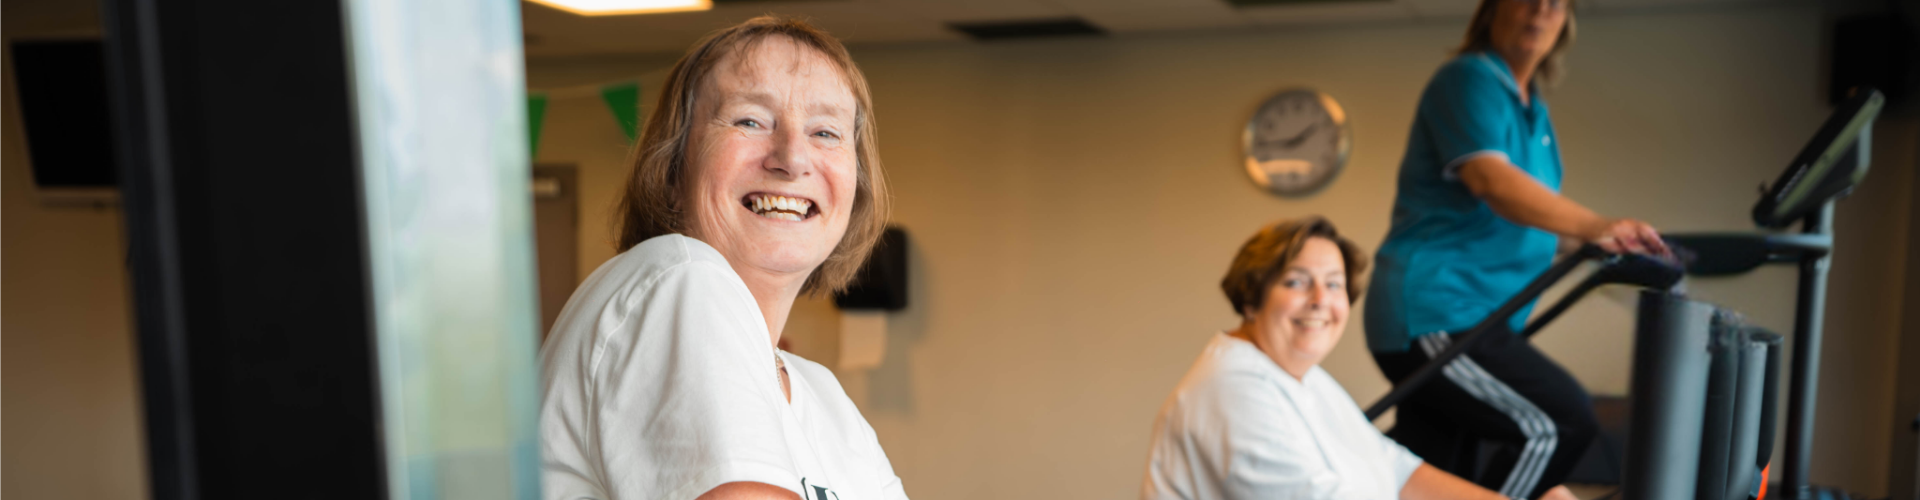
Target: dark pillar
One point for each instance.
(235, 137)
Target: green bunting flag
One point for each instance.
(536, 109)
(624, 100)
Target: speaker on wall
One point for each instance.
(1872, 50)
(882, 281)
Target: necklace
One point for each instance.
(779, 369)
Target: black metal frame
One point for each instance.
(236, 147)
(1614, 269)
(1825, 170)
(1803, 386)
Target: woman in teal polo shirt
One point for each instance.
(1478, 214)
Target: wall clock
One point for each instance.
(1296, 143)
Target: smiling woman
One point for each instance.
(1256, 416)
(755, 181)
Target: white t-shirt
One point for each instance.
(660, 383)
(1238, 427)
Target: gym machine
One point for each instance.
(1704, 381)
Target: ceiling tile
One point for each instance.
(876, 22)
(1091, 6)
(1441, 8)
(1325, 13)
(945, 11)
(1192, 17)
(556, 33)
(1642, 5)
(552, 32)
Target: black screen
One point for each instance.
(1830, 165)
(62, 87)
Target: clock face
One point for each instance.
(1297, 142)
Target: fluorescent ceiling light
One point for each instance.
(619, 7)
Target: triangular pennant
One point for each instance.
(536, 109)
(624, 100)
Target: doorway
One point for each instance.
(556, 227)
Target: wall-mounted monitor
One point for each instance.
(62, 91)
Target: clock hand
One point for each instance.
(1296, 140)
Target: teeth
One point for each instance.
(780, 207)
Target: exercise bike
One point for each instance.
(1704, 381)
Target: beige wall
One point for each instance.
(68, 388)
(1906, 400)
(1860, 358)
(1073, 202)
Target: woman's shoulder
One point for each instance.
(1230, 370)
(1236, 356)
(662, 253)
(1467, 70)
(645, 264)
(671, 264)
(1468, 64)
(1229, 394)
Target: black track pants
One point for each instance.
(1503, 391)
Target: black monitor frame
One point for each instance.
(1828, 167)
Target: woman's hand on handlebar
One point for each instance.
(1628, 236)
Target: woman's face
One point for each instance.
(772, 156)
(1305, 311)
(1527, 28)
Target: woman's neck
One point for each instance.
(1522, 67)
(1275, 353)
(775, 295)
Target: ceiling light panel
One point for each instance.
(623, 7)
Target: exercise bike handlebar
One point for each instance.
(1619, 269)
(1635, 270)
(1506, 310)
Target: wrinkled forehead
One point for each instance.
(778, 65)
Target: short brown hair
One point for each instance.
(1265, 256)
(653, 202)
(1480, 37)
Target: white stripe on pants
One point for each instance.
(1542, 435)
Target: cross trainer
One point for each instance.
(1704, 380)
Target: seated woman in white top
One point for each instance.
(1256, 417)
(756, 180)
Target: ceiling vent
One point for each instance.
(1027, 28)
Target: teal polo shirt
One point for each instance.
(1448, 260)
